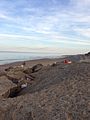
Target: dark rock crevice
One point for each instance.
(14, 92)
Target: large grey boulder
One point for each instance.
(28, 71)
(37, 67)
(6, 86)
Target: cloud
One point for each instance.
(81, 2)
(2, 16)
(54, 39)
(17, 36)
(47, 26)
(46, 50)
(81, 5)
(83, 32)
(54, 1)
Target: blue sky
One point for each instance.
(45, 26)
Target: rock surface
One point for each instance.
(28, 71)
(5, 87)
(37, 67)
(59, 92)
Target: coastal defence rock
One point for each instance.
(37, 67)
(16, 75)
(28, 71)
(6, 86)
(87, 54)
(8, 69)
(57, 94)
(19, 77)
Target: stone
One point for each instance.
(28, 71)
(16, 75)
(5, 86)
(37, 67)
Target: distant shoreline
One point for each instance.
(29, 52)
(30, 63)
(7, 57)
(32, 60)
(11, 61)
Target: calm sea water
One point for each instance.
(9, 57)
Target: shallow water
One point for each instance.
(9, 57)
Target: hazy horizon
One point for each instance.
(49, 26)
(38, 53)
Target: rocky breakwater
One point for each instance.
(15, 79)
(6, 87)
(20, 75)
(58, 92)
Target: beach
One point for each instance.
(46, 89)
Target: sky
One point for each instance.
(45, 26)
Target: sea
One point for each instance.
(10, 57)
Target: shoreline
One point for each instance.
(10, 61)
(46, 61)
(31, 63)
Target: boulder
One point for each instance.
(8, 69)
(37, 67)
(54, 64)
(5, 86)
(15, 68)
(87, 54)
(28, 71)
(16, 76)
